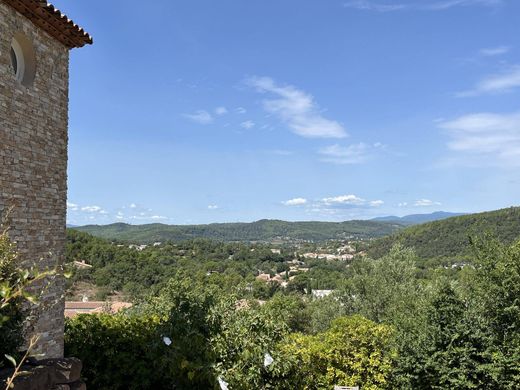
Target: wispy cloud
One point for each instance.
(350, 200)
(212, 207)
(486, 138)
(158, 217)
(201, 116)
(496, 84)
(352, 154)
(295, 202)
(247, 125)
(344, 200)
(440, 5)
(297, 109)
(426, 203)
(365, 5)
(72, 206)
(97, 214)
(92, 209)
(494, 51)
(331, 204)
(221, 110)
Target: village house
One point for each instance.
(35, 41)
(73, 308)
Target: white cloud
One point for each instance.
(221, 110)
(72, 206)
(92, 209)
(295, 202)
(403, 204)
(247, 124)
(365, 5)
(439, 5)
(240, 110)
(297, 109)
(201, 116)
(344, 199)
(344, 206)
(212, 207)
(158, 217)
(494, 51)
(352, 154)
(494, 139)
(133, 206)
(426, 203)
(496, 84)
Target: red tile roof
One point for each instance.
(50, 19)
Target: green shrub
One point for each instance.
(353, 352)
(117, 351)
(11, 296)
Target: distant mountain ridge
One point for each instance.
(263, 230)
(414, 219)
(450, 238)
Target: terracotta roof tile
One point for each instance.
(50, 19)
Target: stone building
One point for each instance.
(35, 39)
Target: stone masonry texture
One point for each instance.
(33, 164)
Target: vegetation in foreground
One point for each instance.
(383, 328)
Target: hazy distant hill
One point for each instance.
(414, 219)
(449, 238)
(263, 230)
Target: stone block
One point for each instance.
(65, 370)
(34, 378)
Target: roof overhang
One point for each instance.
(51, 20)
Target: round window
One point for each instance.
(23, 60)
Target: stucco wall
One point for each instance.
(33, 162)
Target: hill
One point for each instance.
(449, 238)
(263, 230)
(414, 219)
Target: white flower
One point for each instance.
(268, 359)
(223, 384)
(167, 340)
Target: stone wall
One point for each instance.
(33, 163)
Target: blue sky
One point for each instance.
(210, 111)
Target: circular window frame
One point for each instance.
(25, 67)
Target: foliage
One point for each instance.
(263, 230)
(385, 289)
(117, 351)
(353, 352)
(14, 291)
(246, 336)
(448, 240)
(385, 325)
(12, 283)
(230, 266)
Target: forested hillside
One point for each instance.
(450, 238)
(414, 219)
(263, 230)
